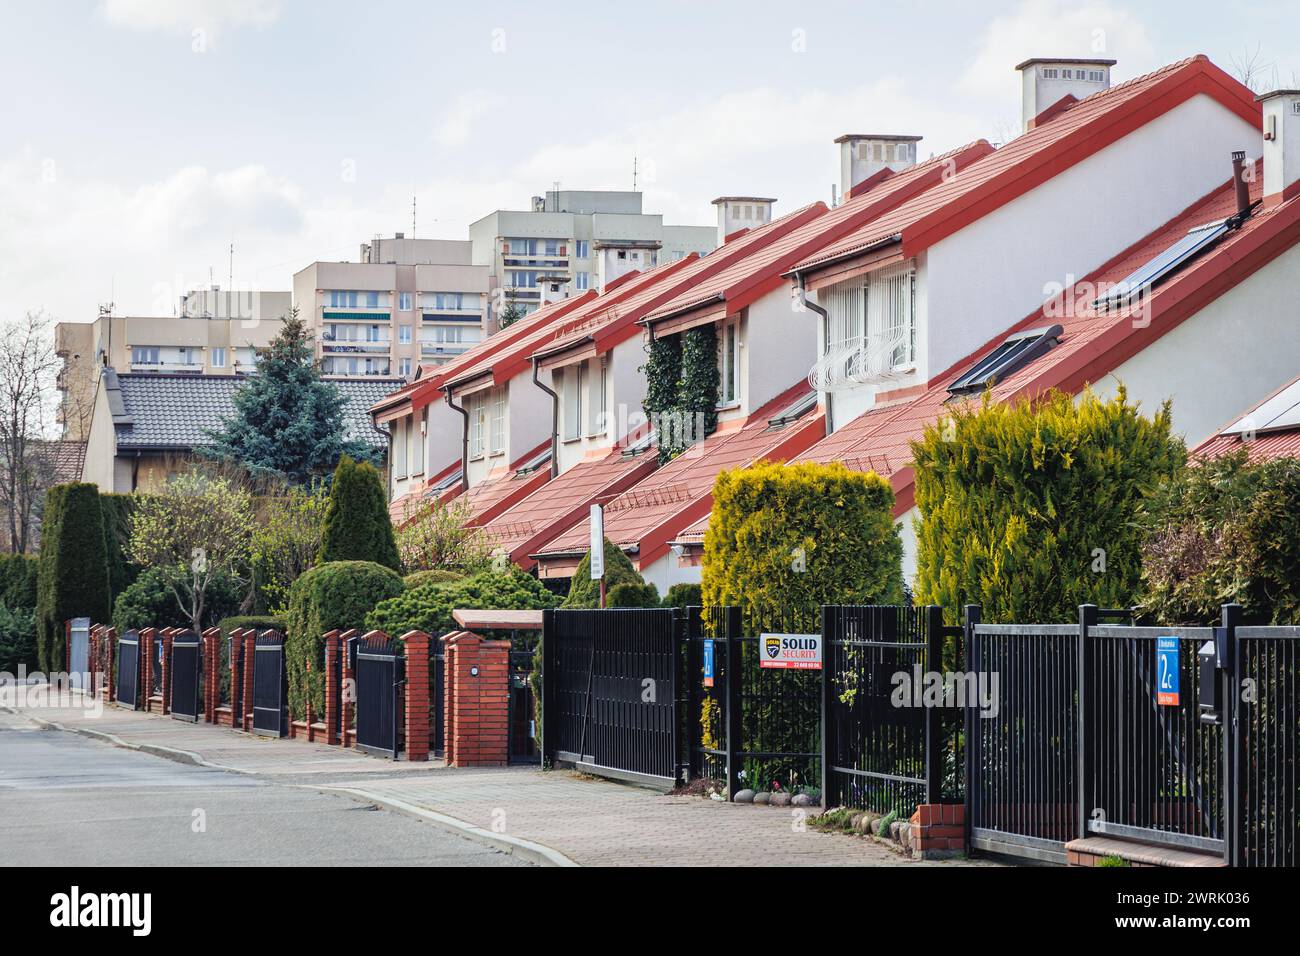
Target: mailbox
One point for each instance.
(1208, 703)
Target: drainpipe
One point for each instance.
(464, 442)
(826, 338)
(555, 421)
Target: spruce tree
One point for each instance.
(288, 421)
(357, 524)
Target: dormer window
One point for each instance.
(1014, 353)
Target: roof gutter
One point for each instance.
(555, 421)
(826, 336)
(844, 256)
(464, 441)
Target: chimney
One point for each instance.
(736, 213)
(863, 155)
(1241, 182)
(1045, 81)
(1281, 144)
(553, 288)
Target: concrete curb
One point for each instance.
(515, 846)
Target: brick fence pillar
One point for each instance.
(67, 648)
(417, 695)
(110, 663)
(937, 831)
(166, 684)
(211, 673)
(146, 668)
(332, 677)
(349, 694)
(477, 712)
(246, 705)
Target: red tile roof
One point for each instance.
(1041, 153)
(564, 501)
(750, 278)
(651, 513)
(1093, 344)
(1265, 440)
(493, 495)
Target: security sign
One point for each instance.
(1167, 671)
(791, 651)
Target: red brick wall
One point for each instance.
(417, 694)
(938, 829)
(477, 712)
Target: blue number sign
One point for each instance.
(1167, 671)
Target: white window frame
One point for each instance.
(477, 425)
(572, 385)
(404, 334)
(497, 422)
(404, 302)
(218, 357)
(729, 355)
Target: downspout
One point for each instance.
(826, 338)
(464, 441)
(555, 421)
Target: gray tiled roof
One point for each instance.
(176, 411)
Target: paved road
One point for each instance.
(72, 801)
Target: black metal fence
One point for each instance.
(127, 691)
(186, 676)
(270, 686)
(610, 682)
(380, 670)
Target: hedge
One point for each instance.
(434, 576)
(357, 523)
(18, 580)
(1226, 530)
(428, 608)
(1027, 508)
(117, 509)
(684, 595)
(259, 622)
(335, 595)
(17, 638)
(72, 579)
(585, 593)
(785, 539)
(631, 594)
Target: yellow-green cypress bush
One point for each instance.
(785, 539)
(1027, 508)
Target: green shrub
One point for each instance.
(72, 579)
(428, 607)
(117, 509)
(149, 601)
(631, 594)
(585, 593)
(17, 638)
(18, 580)
(435, 576)
(335, 595)
(785, 539)
(260, 622)
(1027, 507)
(1225, 530)
(357, 524)
(684, 595)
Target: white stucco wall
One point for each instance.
(778, 347)
(101, 446)
(663, 573)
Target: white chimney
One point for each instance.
(1281, 144)
(553, 288)
(1045, 81)
(741, 212)
(862, 155)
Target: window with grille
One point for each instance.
(478, 425)
(498, 431)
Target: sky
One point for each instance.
(142, 138)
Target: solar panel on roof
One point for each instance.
(795, 410)
(1016, 352)
(640, 446)
(1280, 411)
(1163, 265)
(445, 483)
(530, 466)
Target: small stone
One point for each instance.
(800, 800)
(894, 830)
(780, 799)
(866, 823)
(763, 798)
(743, 796)
(905, 834)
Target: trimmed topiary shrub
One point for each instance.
(357, 524)
(585, 593)
(428, 608)
(1027, 508)
(631, 594)
(436, 576)
(785, 539)
(1225, 530)
(684, 595)
(335, 595)
(72, 578)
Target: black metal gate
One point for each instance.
(887, 747)
(610, 681)
(270, 686)
(186, 673)
(380, 670)
(128, 670)
(521, 739)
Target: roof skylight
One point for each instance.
(1014, 353)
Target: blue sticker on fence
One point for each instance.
(708, 663)
(1167, 671)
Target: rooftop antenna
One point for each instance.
(230, 285)
(412, 215)
(634, 172)
(556, 186)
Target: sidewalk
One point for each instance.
(556, 817)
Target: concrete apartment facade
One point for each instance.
(407, 302)
(587, 238)
(217, 332)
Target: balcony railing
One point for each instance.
(162, 366)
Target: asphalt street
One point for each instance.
(69, 801)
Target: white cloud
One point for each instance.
(1093, 28)
(188, 15)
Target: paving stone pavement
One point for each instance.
(589, 820)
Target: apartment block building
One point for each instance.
(216, 332)
(406, 302)
(585, 238)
